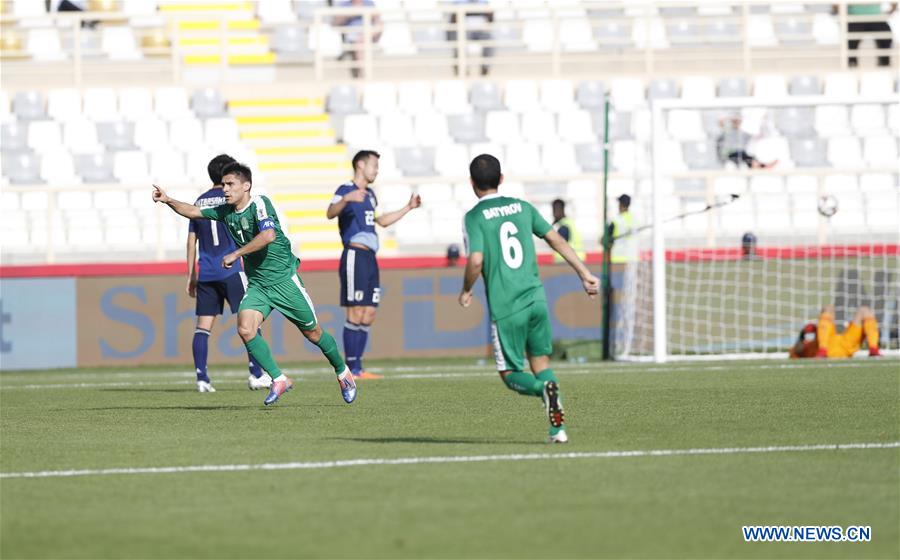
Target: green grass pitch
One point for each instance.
(507, 503)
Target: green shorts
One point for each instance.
(289, 297)
(527, 330)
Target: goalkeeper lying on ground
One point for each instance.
(823, 340)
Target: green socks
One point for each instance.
(329, 347)
(259, 349)
(543, 377)
(524, 383)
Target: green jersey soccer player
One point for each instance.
(272, 280)
(500, 245)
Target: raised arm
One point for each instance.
(473, 270)
(590, 282)
(182, 208)
(337, 206)
(389, 218)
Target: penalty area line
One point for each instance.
(436, 460)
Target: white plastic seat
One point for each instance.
(185, 133)
(431, 129)
(275, 11)
(559, 158)
(397, 39)
(760, 31)
(119, 43)
(58, 167)
(414, 97)
(575, 126)
(380, 98)
(489, 148)
(802, 184)
(521, 95)
(451, 160)
(685, 124)
(537, 34)
(111, 200)
(727, 185)
(825, 29)
(221, 132)
(44, 136)
(841, 185)
(557, 95)
(167, 166)
(881, 151)
(171, 103)
(874, 183)
(360, 130)
(451, 97)
(150, 134)
(135, 103)
(770, 86)
(766, 184)
(844, 152)
(76, 203)
(396, 129)
(436, 193)
(464, 195)
(626, 93)
(64, 104)
(502, 127)
(44, 44)
(625, 157)
(851, 215)
(876, 83)
(130, 166)
(841, 85)
(538, 126)
(80, 137)
(576, 35)
(101, 104)
(523, 159)
(832, 120)
(698, 88)
(868, 119)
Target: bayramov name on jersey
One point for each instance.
(502, 211)
(211, 202)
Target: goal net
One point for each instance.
(744, 255)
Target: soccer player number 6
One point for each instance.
(510, 245)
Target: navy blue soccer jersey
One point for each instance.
(357, 219)
(214, 240)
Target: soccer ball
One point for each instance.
(828, 205)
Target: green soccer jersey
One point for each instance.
(501, 228)
(274, 263)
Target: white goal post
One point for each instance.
(708, 298)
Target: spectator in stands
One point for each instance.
(732, 145)
(880, 26)
(566, 229)
(215, 284)
(353, 34)
(477, 29)
(822, 340)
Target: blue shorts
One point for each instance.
(211, 296)
(360, 284)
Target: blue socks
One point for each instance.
(200, 348)
(355, 339)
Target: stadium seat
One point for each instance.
(760, 31)
(80, 137)
(489, 148)
(809, 152)
(415, 161)
(100, 104)
(13, 137)
(523, 158)
(167, 166)
(589, 157)
(802, 184)
(576, 126)
(343, 99)
(451, 97)
(150, 134)
(396, 129)
(208, 102)
(276, 11)
(118, 43)
(844, 152)
(876, 83)
(591, 95)
(662, 89)
(380, 98)
(130, 166)
(769, 86)
(627, 156)
(575, 35)
(431, 129)
(868, 119)
(326, 40)
(649, 32)
(626, 93)
(725, 185)
(558, 158)
(451, 160)
(538, 126)
(63, 104)
(467, 128)
(221, 133)
(825, 28)
(804, 85)
(841, 85)
(684, 33)
(502, 127)
(732, 87)
(613, 34)
(414, 97)
(721, 33)
(876, 183)
(766, 184)
(360, 130)
(396, 39)
(44, 135)
(795, 122)
(893, 118)
(171, 103)
(44, 44)
(521, 95)
(431, 40)
(185, 133)
(700, 155)
(831, 120)
(794, 31)
(538, 35)
(22, 168)
(290, 42)
(557, 95)
(135, 103)
(76, 203)
(620, 125)
(116, 135)
(94, 168)
(685, 124)
(28, 105)
(698, 88)
(881, 151)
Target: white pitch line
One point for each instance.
(452, 459)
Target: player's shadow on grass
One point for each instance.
(425, 439)
(188, 407)
(146, 390)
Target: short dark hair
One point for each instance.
(485, 172)
(624, 200)
(559, 203)
(363, 155)
(214, 168)
(240, 170)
